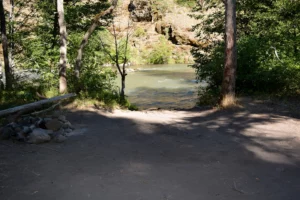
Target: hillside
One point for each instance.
(154, 20)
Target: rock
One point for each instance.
(68, 130)
(56, 114)
(59, 138)
(32, 127)
(40, 123)
(50, 133)
(6, 132)
(142, 12)
(38, 135)
(175, 35)
(47, 119)
(68, 125)
(18, 129)
(62, 118)
(21, 136)
(54, 125)
(13, 125)
(26, 130)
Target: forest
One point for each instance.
(63, 45)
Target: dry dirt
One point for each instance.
(244, 153)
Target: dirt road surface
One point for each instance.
(200, 154)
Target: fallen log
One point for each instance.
(34, 105)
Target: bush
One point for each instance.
(97, 83)
(140, 32)
(259, 70)
(187, 3)
(161, 53)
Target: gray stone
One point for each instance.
(68, 130)
(26, 130)
(54, 125)
(18, 129)
(21, 136)
(47, 119)
(68, 125)
(38, 135)
(32, 127)
(59, 138)
(13, 125)
(62, 118)
(38, 122)
(50, 132)
(6, 132)
(59, 132)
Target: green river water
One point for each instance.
(161, 86)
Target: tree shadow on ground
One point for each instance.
(244, 153)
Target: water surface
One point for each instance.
(162, 86)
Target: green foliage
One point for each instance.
(139, 32)
(37, 47)
(268, 49)
(187, 3)
(160, 6)
(97, 83)
(161, 53)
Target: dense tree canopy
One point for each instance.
(268, 34)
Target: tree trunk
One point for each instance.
(228, 85)
(122, 94)
(1, 76)
(11, 33)
(8, 75)
(63, 47)
(87, 35)
(34, 105)
(84, 42)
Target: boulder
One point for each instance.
(21, 136)
(38, 136)
(176, 36)
(54, 125)
(68, 130)
(26, 130)
(59, 132)
(142, 12)
(59, 138)
(68, 125)
(40, 123)
(62, 118)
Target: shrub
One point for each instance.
(161, 53)
(259, 70)
(140, 32)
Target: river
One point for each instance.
(161, 86)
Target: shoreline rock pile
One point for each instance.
(37, 130)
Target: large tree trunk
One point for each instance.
(229, 76)
(63, 47)
(34, 105)
(87, 35)
(8, 75)
(11, 33)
